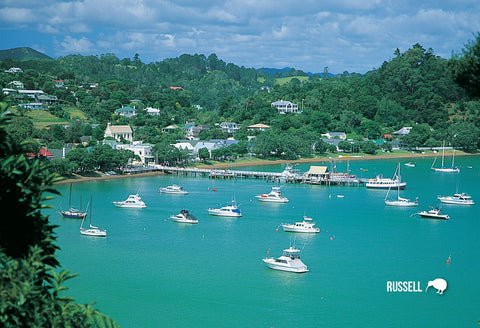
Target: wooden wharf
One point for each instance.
(332, 179)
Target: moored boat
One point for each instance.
(184, 217)
(434, 213)
(133, 201)
(386, 183)
(457, 199)
(274, 196)
(307, 225)
(173, 189)
(289, 261)
(227, 210)
(92, 230)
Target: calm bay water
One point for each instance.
(151, 272)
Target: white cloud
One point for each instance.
(76, 46)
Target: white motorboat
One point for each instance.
(434, 213)
(228, 210)
(410, 164)
(133, 201)
(442, 168)
(289, 261)
(173, 189)
(386, 183)
(307, 225)
(274, 196)
(184, 217)
(457, 199)
(92, 230)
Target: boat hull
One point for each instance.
(93, 232)
(434, 216)
(122, 205)
(372, 185)
(185, 221)
(272, 200)
(447, 170)
(288, 228)
(400, 204)
(70, 215)
(225, 214)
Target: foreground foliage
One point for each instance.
(30, 286)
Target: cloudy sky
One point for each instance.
(345, 35)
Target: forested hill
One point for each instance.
(22, 54)
(415, 88)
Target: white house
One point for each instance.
(284, 107)
(126, 111)
(152, 111)
(229, 127)
(258, 127)
(118, 132)
(144, 151)
(14, 70)
(333, 135)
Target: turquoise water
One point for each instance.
(151, 272)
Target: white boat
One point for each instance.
(445, 169)
(289, 174)
(228, 210)
(133, 201)
(173, 189)
(386, 183)
(457, 199)
(289, 261)
(410, 164)
(184, 217)
(434, 213)
(307, 225)
(274, 196)
(401, 202)
(92, 230)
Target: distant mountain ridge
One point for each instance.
(22, 54)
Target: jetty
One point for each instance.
(317, 175)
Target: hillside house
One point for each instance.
(144, 151)
(152, 111)
(126, 111)
(284, 107)
(335, 135)
(119, 132)
(229, 127)
(258, 127)
(14, 70)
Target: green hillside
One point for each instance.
(22, 54)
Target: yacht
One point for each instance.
(386, 183)
(173, 189)
(445, 169)
(228, 210)
(400, 201)
(91, 230)
(289, 261)
(307, 225)
(184, 217)
(457, 199)
(434, 213)
(133, 201)
(274, 196)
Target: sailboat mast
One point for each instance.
(70, 197)
(443, 152)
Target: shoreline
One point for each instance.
(79, 179)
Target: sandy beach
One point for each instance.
(256, 162)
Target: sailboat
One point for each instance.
(92, 230)
(404, 202)
(452, 169)
(73, 213)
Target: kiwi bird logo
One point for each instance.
(439, 284)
